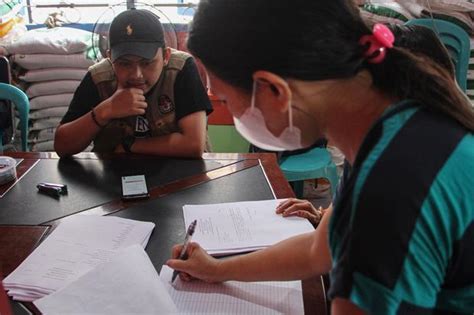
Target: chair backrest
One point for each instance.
(20, 100)
(456, 41)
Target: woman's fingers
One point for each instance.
(302, 206)
(198, 265)
(185, 277)
(287, 203)
(175, 251)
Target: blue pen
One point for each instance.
(183, 255)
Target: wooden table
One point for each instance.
(94, 188)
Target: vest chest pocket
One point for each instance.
(164, 125)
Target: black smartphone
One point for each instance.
(6, 108)
(134, 187)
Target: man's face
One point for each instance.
(136, 72)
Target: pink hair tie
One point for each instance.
(381, 39)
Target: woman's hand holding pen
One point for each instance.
(199, 265)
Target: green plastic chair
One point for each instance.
(315, 163)
(456, 41)
(20, 100)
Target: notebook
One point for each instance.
(233, 297)
(228, 228)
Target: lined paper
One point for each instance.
(233, 297)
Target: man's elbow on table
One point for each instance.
(59, 143)
(196, 149)
(62, 144)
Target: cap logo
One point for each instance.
(129, 29)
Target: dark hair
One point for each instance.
(313, 40)
(422, 41)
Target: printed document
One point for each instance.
(226, 228)
(76, 246)
(127, 284)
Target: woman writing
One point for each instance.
(400, 238)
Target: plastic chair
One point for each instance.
(20, 100)
(315, 163)
(456, 41)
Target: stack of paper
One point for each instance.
(76, 246)
(233, 297)
(127, 284)
(227, 228)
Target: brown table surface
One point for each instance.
(313, 289)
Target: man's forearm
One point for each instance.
(189, 142)
(175, 144)
(73, 137)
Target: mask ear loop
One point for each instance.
(290, 116)
(254, 91)
(252, 104)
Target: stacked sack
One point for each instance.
(385, 11)
(11, 23)
(459, 12)
(49, 65)
(470, 74)
(455, 11)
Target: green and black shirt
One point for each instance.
(402, 231)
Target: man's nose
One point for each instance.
(137, 72)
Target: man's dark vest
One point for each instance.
(161, 105)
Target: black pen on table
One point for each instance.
(187, 240)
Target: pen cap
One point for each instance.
(192, 227)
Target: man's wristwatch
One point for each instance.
(127, 143)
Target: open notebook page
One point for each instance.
(234, 297)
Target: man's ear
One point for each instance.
(166, 55)
(108, 54)
(277, 86)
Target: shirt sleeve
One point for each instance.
(189, 92)
(85, 98)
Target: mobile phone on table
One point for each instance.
(134, 187)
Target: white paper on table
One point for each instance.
(73, 248)
(242, 225)
(233, 297)
(127, 284)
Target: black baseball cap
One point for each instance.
(136, 32)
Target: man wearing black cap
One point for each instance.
(145, 98)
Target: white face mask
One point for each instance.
(251, 125)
